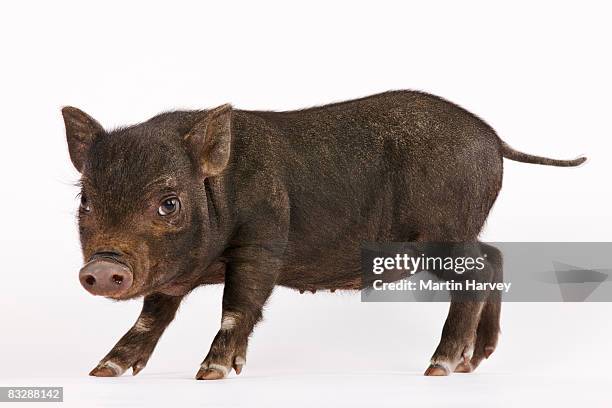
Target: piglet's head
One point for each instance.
(143, 217)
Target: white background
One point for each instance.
(538, 72)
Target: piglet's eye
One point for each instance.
(169, 206)
(85, 203)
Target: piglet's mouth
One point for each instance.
(104, 275)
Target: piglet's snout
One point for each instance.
(105, 277)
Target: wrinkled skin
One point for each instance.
(258, 199)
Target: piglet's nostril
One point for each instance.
(90, 280)
(118, 279)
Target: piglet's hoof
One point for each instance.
(436, 370)
(211, 373)
(102, 372)
(107, 369)
(464, 368)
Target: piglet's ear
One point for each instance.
(81, 130)
(210, 140)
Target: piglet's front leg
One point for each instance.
(247, 287)
(136, 346)
(228, 350)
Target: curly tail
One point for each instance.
(510, 153)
